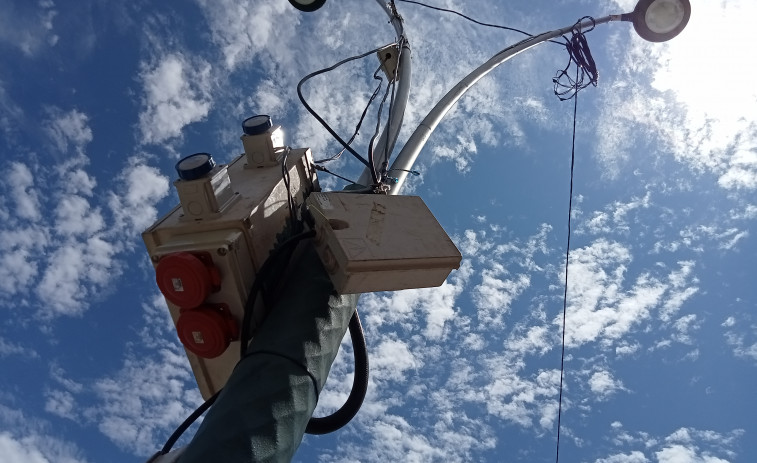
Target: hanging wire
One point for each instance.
(586, 74)
(385, 161)
(567, 260)
(378, 127)
(370, 166)
(324, 169)
(580, 55)
(287, 183)
(496, 26)
(360, 122)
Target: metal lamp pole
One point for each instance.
(262, 413)
(654, 20)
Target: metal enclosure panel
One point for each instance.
(239, 238)
(381, 243)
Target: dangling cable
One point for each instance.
(323, 122)
(496, 26)
(385, 161)
(327, 424)
(567, 260)
(360, 122)
(376, 132)
(580, 54)
(324, 169)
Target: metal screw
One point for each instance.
(222, 251)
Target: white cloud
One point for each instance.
(8, 348)
(60, 403)
(627, 349)
(68, 129)
(685, 445)
(598, 306)
(537, 339)
(683, 327)
(75, 272)
(29, 440)
(614, 219)
(21, 183)
(139, 406)
(57, 244)
(494, 296)
(742, 341)
(682, 454)
(75, 216)
(391, 359)
(28, 28)
(176, 93)
(632, 457)
(140, 187)
(244, 29)
(604, 385)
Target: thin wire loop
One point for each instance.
(496, 26)
(580, 55)
(323, 122)
(360, 122)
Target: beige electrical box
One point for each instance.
(377, 242)
(207, 251)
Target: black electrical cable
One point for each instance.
(393, 83)
(580, 55)
(496, 26)
(288, 185)
(323, 122)
(359, 123)
(376, 132)
(187, 423)
(323, 169)
(327, 424)
(567, 261)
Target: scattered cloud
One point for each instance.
(138, 406)
(133, 203)
(603, 384)
(68, 129)
(30, 440)
(683, 445)
(28, 26)
(60, 249)
(742, 337)
(177, 92)
(599, 308)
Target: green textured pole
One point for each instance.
(263, 410)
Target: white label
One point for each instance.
(324, 201)
(197, 336)
(177, 284)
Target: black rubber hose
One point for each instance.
(327, 424)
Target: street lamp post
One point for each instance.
(653, 20)
(269, 399)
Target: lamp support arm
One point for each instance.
(409, 153)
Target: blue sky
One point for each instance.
(98, 101)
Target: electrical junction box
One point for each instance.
(207, 250)
(372, 242)
(387, 56)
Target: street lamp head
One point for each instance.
(307, 5)
(660, 20)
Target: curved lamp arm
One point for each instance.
(406, 158)
(653, 20)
